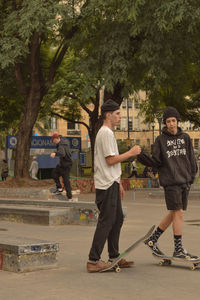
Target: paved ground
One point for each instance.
(147, 280)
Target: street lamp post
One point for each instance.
(159, 118)
(153, 127)
(128, 118)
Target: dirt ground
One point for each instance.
(25, 183)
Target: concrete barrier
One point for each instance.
(19, 254)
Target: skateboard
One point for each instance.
(60, 196)
(114, 265)
(165, 260)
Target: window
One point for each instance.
(129, 103)
(136, 104)
(53, 123)
(137, 124)
(124, 123)
(196, 144)
(130, 123)
(124, 104)
(188, 125)
(72, 126)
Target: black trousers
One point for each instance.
(109, 222)
(134, 172)
(64, 172)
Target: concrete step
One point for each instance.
(47, 203)
(48, 212)
(49, 215)
(34, 215)
(30, 193)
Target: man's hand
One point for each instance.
(122, 193)
(53, 155)
(135, 150)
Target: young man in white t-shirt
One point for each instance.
(109, 191)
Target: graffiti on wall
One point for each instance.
(86, 185)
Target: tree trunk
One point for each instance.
(33, 93)
(116, 95)
(24, 137)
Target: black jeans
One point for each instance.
(109, 222)
(64, 172)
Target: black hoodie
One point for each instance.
(174, 158)
(64, 153)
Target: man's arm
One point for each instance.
(154, 161)
(112, 160)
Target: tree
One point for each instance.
(26, 28)
(30, 29)
(171, 53)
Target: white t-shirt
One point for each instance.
(105, 145)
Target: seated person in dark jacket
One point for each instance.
(173, 157)
(64, 165)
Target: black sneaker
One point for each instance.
(183, 254)
(154, 247)
(57, 192)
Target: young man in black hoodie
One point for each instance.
(174, 158)
(64, 165)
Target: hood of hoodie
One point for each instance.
(64, 153)
(63, 141)
(166, 132)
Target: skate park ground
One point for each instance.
(146, 280)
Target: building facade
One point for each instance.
(131, 129)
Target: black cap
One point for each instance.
(170, 112)
(109, 105)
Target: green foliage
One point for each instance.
(19, 23)
(150, 45)
(11, 102)
(70, 90)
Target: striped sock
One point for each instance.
(178, 243)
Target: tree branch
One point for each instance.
(59, 55)
(69, 120)
(86, 108)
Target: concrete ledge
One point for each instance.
(28, 193)
(50, 212)
(19, 254)
(47, 203)
(77, 215)
(35, 215)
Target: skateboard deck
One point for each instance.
(60, 196)
(165, 260)
(114, 264)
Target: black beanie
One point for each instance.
(109, 105)
(170, 112)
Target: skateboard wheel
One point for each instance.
(187, 257)
(168, 262)
(161, 263)
(193, 267)
(117, 270)
(150, 243)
